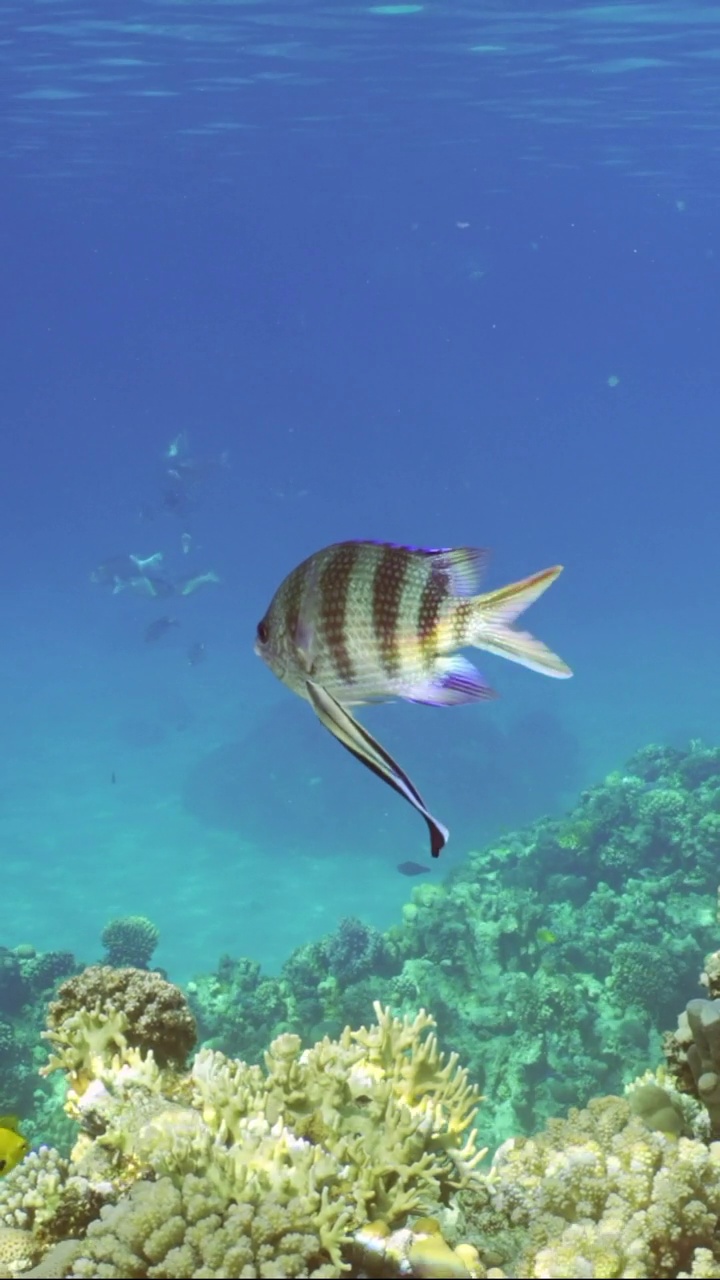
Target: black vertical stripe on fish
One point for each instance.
(356, 739)
(462, 617)
(389, 581)
(335, 584)
(434, 594)
(293, 602)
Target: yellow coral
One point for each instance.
(381, 1101)
(233, 1169)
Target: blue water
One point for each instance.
(437, 274)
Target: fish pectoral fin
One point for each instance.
(356, 739)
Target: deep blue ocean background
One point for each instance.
(442, 274)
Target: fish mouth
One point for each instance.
(278, 666)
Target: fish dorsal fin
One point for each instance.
(12, 1123)
(462, 568)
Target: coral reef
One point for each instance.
(693, 1050)
(27, 980)
(292, 1145)
(553, 960)
(228, 1169)
(104, 1010)
(599, 1194)
(129, 942)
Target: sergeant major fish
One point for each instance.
(366, 622)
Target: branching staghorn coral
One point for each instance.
(381, 1101)
(232, 1170)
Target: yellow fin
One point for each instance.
(491, 627)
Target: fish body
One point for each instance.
(158, 628)
(124, 571)
(546, 937)
(374, 621)
(13, 1146)
(412, 869)
(363, 622)
(188, 586)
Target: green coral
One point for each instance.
(625, 885)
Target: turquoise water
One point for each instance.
(433, 275)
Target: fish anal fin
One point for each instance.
(453, 682)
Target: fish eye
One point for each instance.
(263, 632)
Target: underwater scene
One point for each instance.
(360, 764)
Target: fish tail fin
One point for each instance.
(490, 626)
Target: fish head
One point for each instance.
(13, 1148)
(286, 636)
(271, 644)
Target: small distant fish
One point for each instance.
(412, 869)
(124, 571)
(196, 653)
(177, 503)
(545, 937)
(185, 542)
(13, 1146)
(188, 586)
(366, 622)
(158, 628)
(178, 446)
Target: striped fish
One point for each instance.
(363, 622)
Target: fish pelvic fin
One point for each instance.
(490, 625)
(356, 739)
